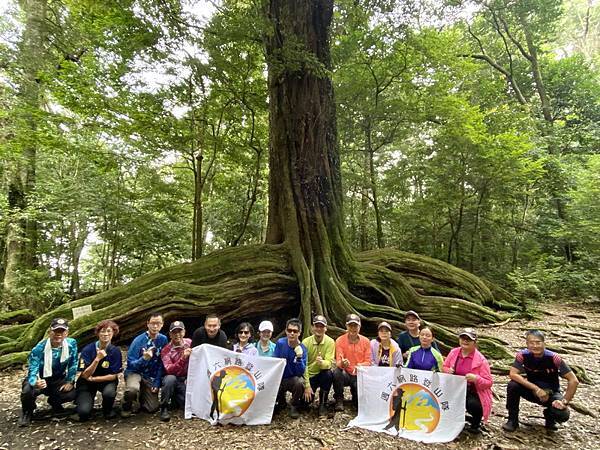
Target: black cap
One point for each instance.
(320, 319)
(177, 325)
(59, 324)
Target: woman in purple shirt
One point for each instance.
(243, 336)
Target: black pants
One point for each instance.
(172, 391)
(322, 380)
(86, 393)
(295, 385)
(474, 407)
(342, 378)
(514, 392)
(55, 397)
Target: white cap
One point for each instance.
(265, 325)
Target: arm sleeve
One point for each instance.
(34, 365)
(397, 359)
(196, 338)
(135, 363)
(277, 351)
(72, 362)
(409, 361)
(449, 358)
(563, 368)
(518, 362)
(366, 356)
(116, 360)
(329, 356)
(439, 359)
(484, 377)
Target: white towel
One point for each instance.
(64, 355)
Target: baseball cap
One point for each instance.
(59, 324)
(352, 318)
(177, 325)
(265, 325)
(411, 313)
(384, 325)
(320, 319)
(469, 332)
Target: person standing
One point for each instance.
(467, 361)
(424, 356)
(210, 333)
(243, 336)
(384, 350)
(100, 364)
(143, 375)
(294, 352)
(52, 370)
(542, 385)
(320, 360)
(410, 338)
(265, 346)
(175, 359)
(351, 351)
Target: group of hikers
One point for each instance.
(157, 366)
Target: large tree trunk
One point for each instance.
(306, 266)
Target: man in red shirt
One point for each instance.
(351, 350)
(175, 358)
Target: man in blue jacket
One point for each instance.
(143, 375)
(52, 370)
(294, 352)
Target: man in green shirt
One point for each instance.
(321, 359)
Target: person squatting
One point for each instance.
(157, 366)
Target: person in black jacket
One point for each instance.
(210, 333)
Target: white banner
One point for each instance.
(413, 404)
(228, 387)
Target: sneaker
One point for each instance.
(165, 416)
(510, 425)
(339, 404)
(110, 415)
(25, 418)
(474, 429)
(294, 413)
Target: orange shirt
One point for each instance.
(358, 353)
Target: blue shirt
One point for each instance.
(66, 369)
(112, 363)
(152, 369)
(294, 367)
(268, 352)
(425, 359)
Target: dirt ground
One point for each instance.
(573, 329)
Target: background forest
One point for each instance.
(134, 135)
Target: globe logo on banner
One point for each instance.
(233, 391)
(413, 407)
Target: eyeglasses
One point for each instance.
(244, 332)
(291, 330)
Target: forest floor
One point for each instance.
(572, 328)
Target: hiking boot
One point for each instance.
(323, 410)
(110, 414)
(165, 416)
(550, 425)
(339, 404)
(25, 418)
(510, 425)
(474, 429)
(294, 413)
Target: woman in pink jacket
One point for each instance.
(467, 361)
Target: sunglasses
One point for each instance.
(292, 330)
(244, 332)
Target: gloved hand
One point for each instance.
(299, 352)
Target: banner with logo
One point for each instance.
(228, 387)
(413, 404)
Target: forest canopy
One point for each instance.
(135, 136)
